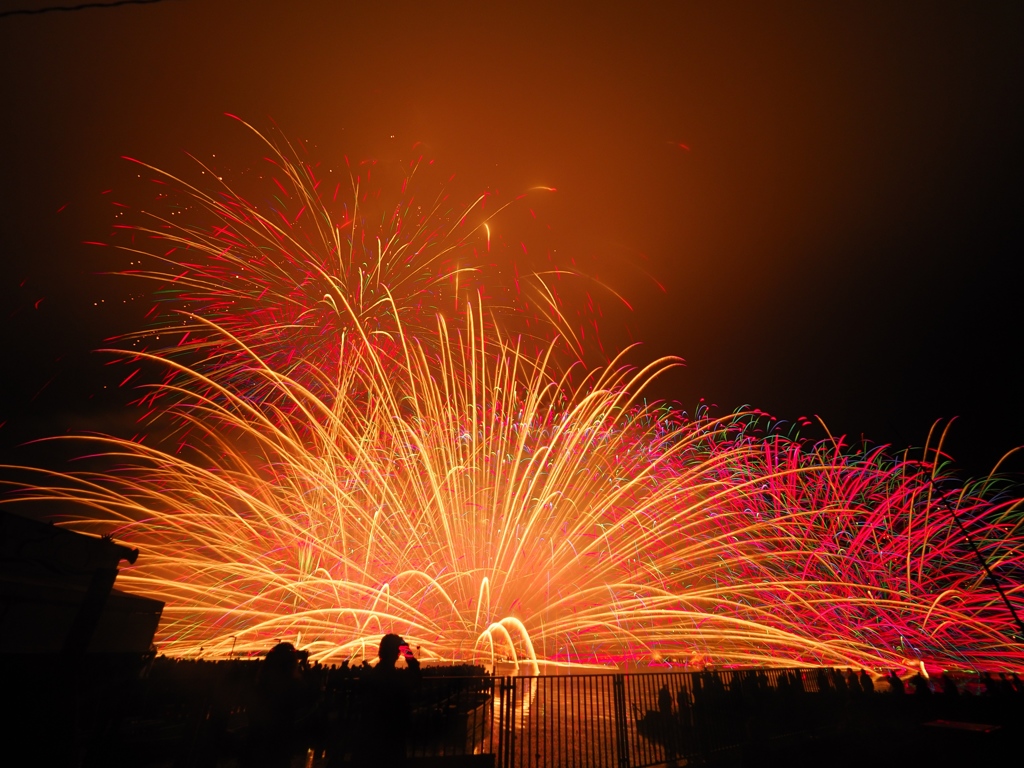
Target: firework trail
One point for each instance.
(303, 262)
(430, 473)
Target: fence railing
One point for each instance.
(590, 720)
(649, 718)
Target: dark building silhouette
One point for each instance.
(57, 593)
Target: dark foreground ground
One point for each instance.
(200, 715)
(901, 742)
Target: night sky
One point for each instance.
(828, 193)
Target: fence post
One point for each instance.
(621, 722)
(506, 722)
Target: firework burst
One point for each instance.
(354, 461)
(303, 262)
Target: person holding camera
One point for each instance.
(387, 699)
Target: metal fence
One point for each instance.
(643, 719)
(592, 720)
(623, 720)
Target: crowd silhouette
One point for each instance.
(713, 712)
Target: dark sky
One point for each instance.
(841, 238)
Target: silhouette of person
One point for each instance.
(666, 723)
(852, 683)
(273, 709)
(665, 701)
(867, 685)
(387, 705)
(895, 683)
(392, 647)
(921, 685)
(685, 720)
